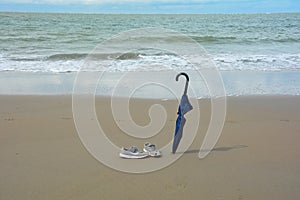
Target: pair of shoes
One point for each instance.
(133, 152)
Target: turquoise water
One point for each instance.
(256, 54)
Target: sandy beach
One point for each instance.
(257, 156)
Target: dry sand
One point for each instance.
(257, 156)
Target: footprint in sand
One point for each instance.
(9, 119)
(66, 118)
(285, 120)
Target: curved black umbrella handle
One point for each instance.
(187, 80)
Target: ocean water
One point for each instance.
(59, 43)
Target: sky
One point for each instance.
(151, 6)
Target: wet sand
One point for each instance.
(256, 157)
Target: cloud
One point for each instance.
(105, 1)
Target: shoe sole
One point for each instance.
(152, 154)
(133, 156)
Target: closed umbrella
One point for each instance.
(184, 107)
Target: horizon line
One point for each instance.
(124, 13)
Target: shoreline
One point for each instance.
(236, 83)
(97, 96)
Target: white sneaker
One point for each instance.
(132, 152)
(151, 150)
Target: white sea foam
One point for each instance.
(223, 62)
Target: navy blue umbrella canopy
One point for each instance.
(184, 107)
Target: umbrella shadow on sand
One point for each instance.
(215, 149)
